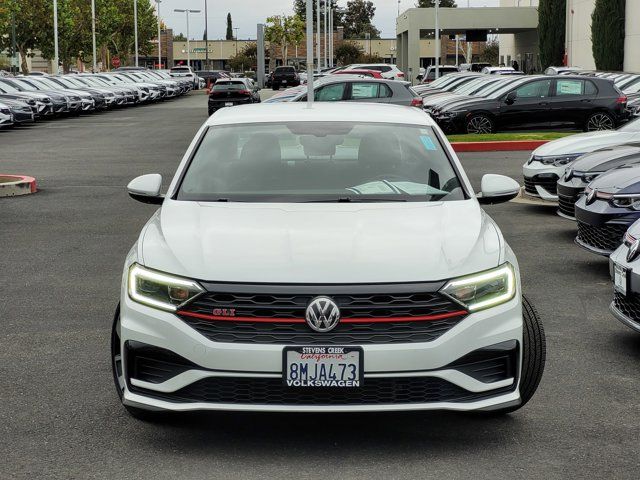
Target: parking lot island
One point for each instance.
(14, 185)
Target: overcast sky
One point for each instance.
(247, 13)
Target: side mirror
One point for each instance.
(511, 98)
(146, 189)
(497, 189)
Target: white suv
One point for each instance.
(323, 259)
(186, 72)
(387, 70)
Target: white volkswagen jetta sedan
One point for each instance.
(332, 258)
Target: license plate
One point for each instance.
(620, 278)
(228, 104)
(284, 81)
(329, 366)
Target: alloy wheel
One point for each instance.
(600, 121)
(479, 124)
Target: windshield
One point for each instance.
(8, 88)
(24, 85)
(503, 87)
(320, 161)
(632, 126)
(181, 69)
(50, 83)
(441, 81)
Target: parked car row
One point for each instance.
(478, 103)
(595, 178)
(26, 99)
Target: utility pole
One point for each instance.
(261, 59)
(135, 28)
(330, 35)
(93, 34)
(310, 52)
(236, 29)
(206, 37)
(56, 55)
(437, 41)
(159, 35)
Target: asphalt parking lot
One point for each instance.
(62, 255)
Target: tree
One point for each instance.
(348, 52)
(357, 19)
(179, 38)
(551, 29)
(432, 3)
(284, 30)
(229, 35)
(607, 34)
(300, 9)
(490, 52)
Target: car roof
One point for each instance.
(320, 112)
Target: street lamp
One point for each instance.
(187, 12)
(326, 35)
(437, 2)
(206, 36)
(236, 29)
(317, 34)
(135, 27)
(159, 34)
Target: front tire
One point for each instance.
(534, 351)
(480, 124)
(599, 121)
(118, 374)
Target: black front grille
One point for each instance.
(272, 391)
(607, 237)
(629, 305)
(267, 309)
(154, 364)
(567, 198)
(549, 183)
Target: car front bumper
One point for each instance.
(626, 308)
(263, 363)
(540, 181)
(601, 227)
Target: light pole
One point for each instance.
(135, 27)
(326, 35)
(159, 35)
(236, 29)
(317, 32)
(310, 53)
(14, 52)
(187, 12)
(330, 36)
(206, 37)
(437, 41)
(56, 57)
(93, 34)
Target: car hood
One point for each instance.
(585, 142)
(608, 158)
(620, 180)
(321, 243)
(466, 103)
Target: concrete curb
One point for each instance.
(14, 185)
(499, 146)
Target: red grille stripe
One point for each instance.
(419, 318)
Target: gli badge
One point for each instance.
(591, 197)
(224, 312)
(634, 249)
(322, 314)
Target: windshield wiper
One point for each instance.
(357, 200)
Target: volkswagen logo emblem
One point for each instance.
(322, 314)
(568, 175)
(592, 196)
(634, 249)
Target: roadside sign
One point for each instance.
(115, 61)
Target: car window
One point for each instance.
(320, 161)
(539, 89)
(574, 87)
(330, 93)
(360, 90)
(385, 91)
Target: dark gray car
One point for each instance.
(587, 168)
(369, 90)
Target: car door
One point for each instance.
(365, 92)
(572, 100)
(526, 105)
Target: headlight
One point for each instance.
(483, 290)
(632, 202)
(160, 290)
(557, 161)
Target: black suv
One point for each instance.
(540, 102)
(284, 77)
